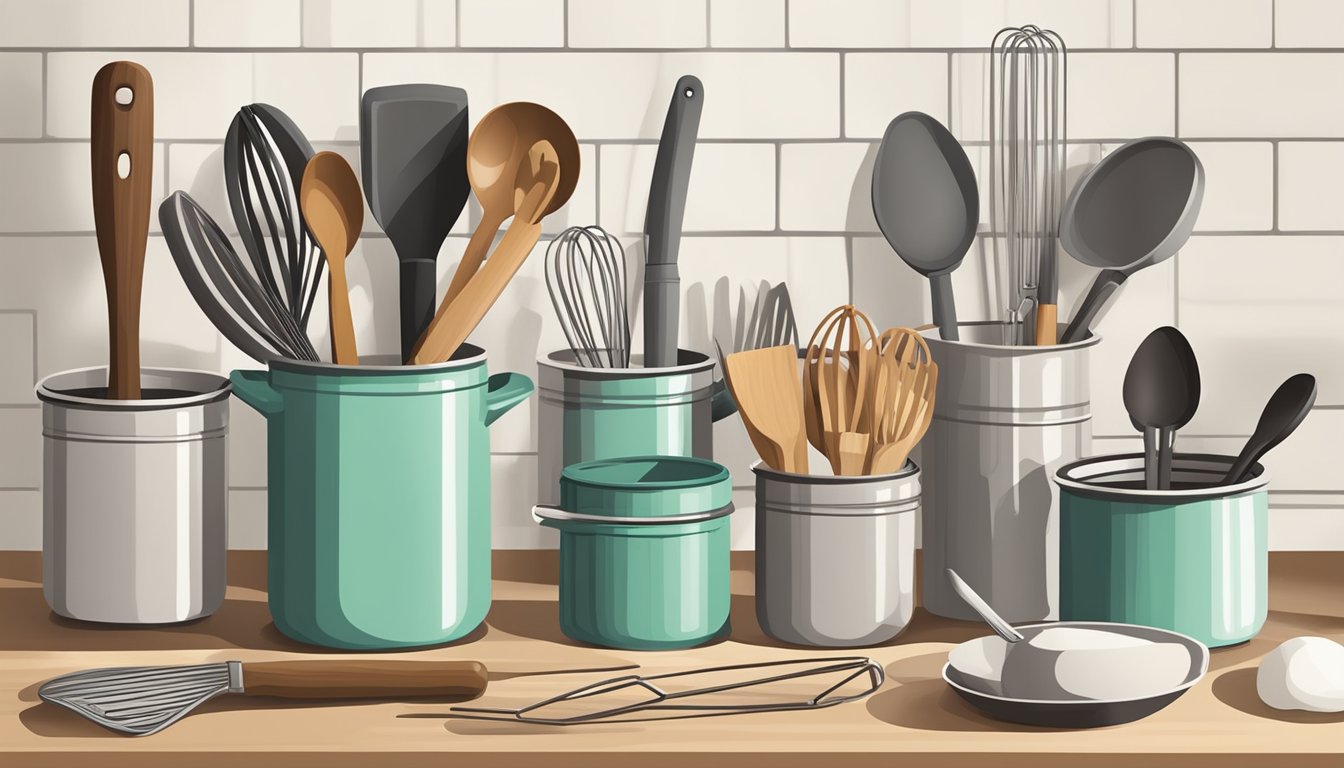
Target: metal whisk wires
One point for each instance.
(586, 279)
(1028, 133)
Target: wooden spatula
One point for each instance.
(122, 144)
(765, 384)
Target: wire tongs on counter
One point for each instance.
(728, 690)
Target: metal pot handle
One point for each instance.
(543, 513)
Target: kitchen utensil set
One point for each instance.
(1161, 392)
(413, 152)
(1028, 131)
(297, 211)
(585, 277)
(662, 222)
(122, 145)
(927, 205)
(144, 700)
(864, 400)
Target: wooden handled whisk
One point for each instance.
(838, 379)
(905, 386)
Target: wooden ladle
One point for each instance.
(333, 209)
(540, 178)
(495, 151)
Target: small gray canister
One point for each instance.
(835, 556)
(134, 496)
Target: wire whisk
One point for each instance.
(1028, 132)
(586, 279)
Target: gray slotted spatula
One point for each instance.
(413, 153)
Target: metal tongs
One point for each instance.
(606, 700)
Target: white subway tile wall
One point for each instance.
(797, 93)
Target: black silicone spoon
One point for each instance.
(927, 205)
(1161, 392)
(1286, 409)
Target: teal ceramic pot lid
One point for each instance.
(1119, 477)
(645, 486)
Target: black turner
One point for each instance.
(413, 150)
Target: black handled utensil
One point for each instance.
(1286, 409)
(413, 157)
(662, 222)
(927, 205)
(1161, 392)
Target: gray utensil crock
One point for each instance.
(835, 556)
(1005, 419)
(134, 496)
(588, 414)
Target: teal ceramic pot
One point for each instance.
(379, 496)
(585, 414)
(1193, 559)
(643, 551)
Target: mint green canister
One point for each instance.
(644, 545)
(586, 414)
(1193, 559)
(379, 496)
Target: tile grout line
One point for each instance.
(44, 96)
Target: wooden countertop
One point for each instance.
(1220, 722)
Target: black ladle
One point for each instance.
(1286, 409)
(1161, 392)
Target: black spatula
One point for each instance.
(413, 150)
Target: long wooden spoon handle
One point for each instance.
(344, 351)
(122, 150)
(477, 247)
(361, 679)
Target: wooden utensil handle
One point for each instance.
(1047, 325)
(472, 258)
(361, 679)
(121, 209)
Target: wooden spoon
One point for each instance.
(765, 384)
(495, 151)
(122, 135)
(333, 209)
(540, 179)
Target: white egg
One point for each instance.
(1079, 664)
(1303, 673)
